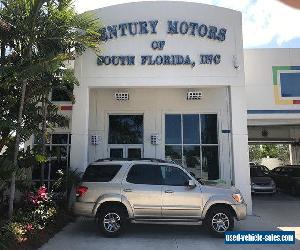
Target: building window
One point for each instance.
(125, 129)
(62, 94)
(191, 140)
(58, 151)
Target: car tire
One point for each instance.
(219, 220)
(111, 221)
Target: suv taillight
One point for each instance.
(81, 190)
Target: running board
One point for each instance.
(168, 222)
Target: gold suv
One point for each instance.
(153, 191)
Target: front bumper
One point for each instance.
(83, 208)
(257, 189)
(240, 210)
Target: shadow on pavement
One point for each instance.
(84, 227)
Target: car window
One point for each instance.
(285, 171)
(174, 176)
(100, 173)
(145, 174)
(295, 172)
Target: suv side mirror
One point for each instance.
(191, 184)
(192, 174)
(200, 181)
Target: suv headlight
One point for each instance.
(238, 197)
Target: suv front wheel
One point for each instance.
(219, 220)
(111, 221)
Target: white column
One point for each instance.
(294, 149)
(80, 122)
(294, 154)
(241, 170)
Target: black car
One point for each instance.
(287, 178)
(261, 182)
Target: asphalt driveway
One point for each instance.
(278, 212)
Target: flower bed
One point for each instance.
(37, 219)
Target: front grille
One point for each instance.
(263, 184)
(263, 191)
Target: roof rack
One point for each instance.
(133, 159)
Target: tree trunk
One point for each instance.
(44, 138)
(2, 51)
(16, 151)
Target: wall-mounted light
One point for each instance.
(235, 62)
(121, 96)
(194, 95)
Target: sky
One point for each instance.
(266, 23)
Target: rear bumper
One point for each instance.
(240, 210)
(83, 208)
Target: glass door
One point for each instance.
(115, 152)
(134, 152)
(126, 136)
(126, 151)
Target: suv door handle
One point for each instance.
(127, 190)
(169, 191)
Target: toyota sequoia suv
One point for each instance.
(153, 191)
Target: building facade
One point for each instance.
(165, 86)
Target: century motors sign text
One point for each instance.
(193, 29)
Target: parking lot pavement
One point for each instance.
(270, 213)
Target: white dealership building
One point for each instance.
(174, 82)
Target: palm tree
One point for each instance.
(40, 35)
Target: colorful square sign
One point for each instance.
(286, 83)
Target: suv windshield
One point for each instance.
(258, 171)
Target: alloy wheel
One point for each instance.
(220, 222)
(112, 222)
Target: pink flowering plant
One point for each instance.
(41, 207)
(38, 210)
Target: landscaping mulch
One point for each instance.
(43, 236)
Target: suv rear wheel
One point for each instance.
(111, 221)
(219, 220)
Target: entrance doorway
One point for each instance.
(125, 136)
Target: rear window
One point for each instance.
(258, 171)
(100, 173)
